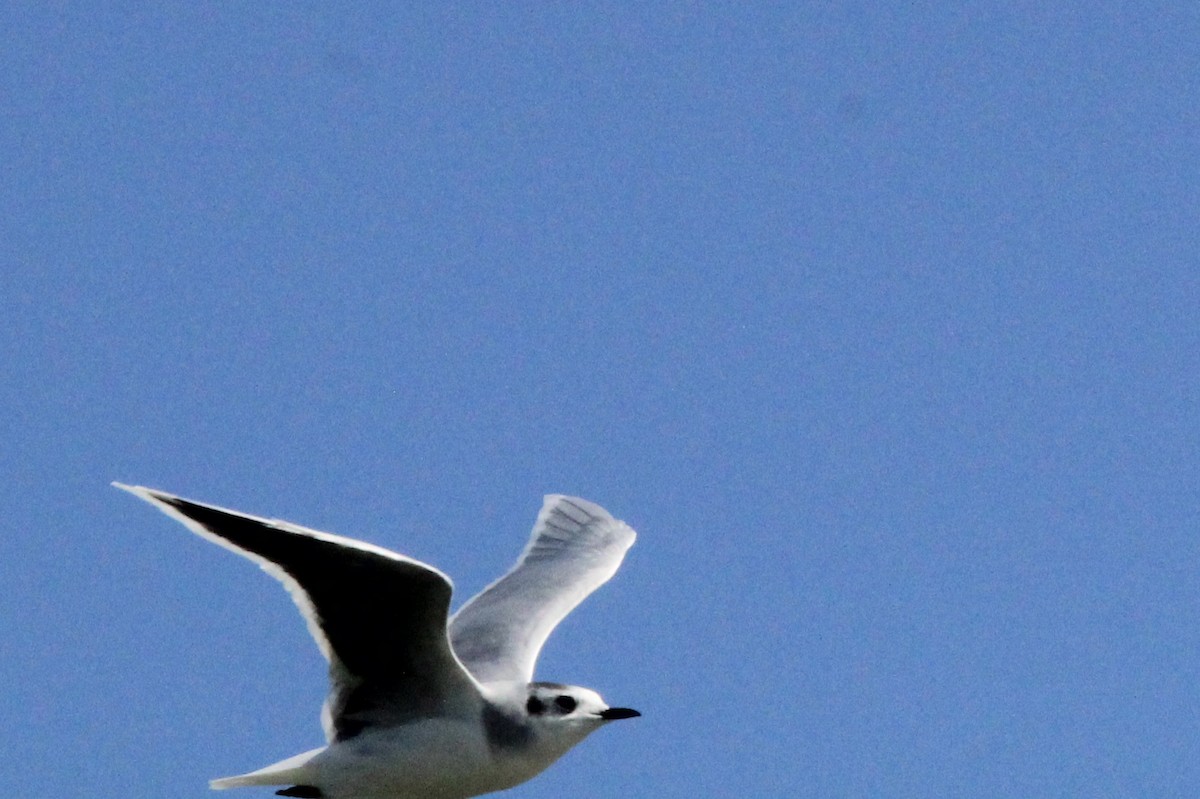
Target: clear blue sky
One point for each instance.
(881, 324)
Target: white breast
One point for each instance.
(432, 759)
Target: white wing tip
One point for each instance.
(151, 495)
(550, 501)
(556, 502)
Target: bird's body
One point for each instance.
(433, 758)
(437, 758)
(422, 706)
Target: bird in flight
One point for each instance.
(422, 704)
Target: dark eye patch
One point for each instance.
(565, 703)
(535, 706)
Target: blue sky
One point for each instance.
(878, 322)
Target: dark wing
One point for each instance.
(576, 546)
(378, 617)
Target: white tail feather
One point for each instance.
(293, 771)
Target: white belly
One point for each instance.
(434, 759)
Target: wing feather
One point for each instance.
(576, 546)
(379, 617)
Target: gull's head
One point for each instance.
(531, 725)
(569, 709)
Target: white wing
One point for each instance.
(575, 548)
(378, 617)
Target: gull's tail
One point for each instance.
(294, 770)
